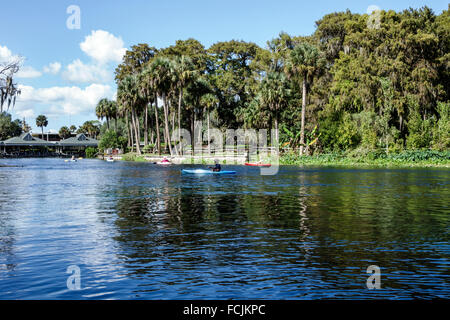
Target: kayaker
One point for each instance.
(216, 167)
(165, 160)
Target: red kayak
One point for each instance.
(258, 164)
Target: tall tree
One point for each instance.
(41, 121)
(304, 61)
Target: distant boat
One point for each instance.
(203, 171)
(258, 164)
(109, 159)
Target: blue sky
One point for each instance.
(66, 71)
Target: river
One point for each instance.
(143, 231)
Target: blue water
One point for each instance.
(143, 231)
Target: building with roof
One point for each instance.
(76, 145)
(26, 145)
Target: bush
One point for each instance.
(91, 152)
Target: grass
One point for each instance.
(409, 158)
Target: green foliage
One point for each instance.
(347, 88)
(441, 130)
(64, 132)
(9, 128)
(91, 152)
(110, 140)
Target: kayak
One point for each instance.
(258, 164)
(110, 160)
(203, 171)
(163, 163)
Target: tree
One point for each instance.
(131, 100)
(8, 127)
(41, 121)
(209, 101)
(275, 93)
(164, 82)
(304, 61)
(64, 132)
(8, 89)
(110, 140)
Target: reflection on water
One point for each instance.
(139, 231)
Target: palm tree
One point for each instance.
(101, 111)
(130, 99)
(64, 132)
(304, 61)
(274, 93)
(112, 112)
(162, 70)
(41, 121)
(185, 70)
(209, 101)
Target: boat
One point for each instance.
(164, 162)
(203, 171)
(109, 160)
(258, 164)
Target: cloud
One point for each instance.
(52, 68)
(103, 47)
(6, 54)
(63, 100)
(28, 72)
(27, 113)
(80, 72)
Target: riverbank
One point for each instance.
(419, 158)
(427, 158)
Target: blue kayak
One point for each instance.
(203, 171)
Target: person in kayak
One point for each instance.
(216, 167)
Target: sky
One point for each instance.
(67, 68)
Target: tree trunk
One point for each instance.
(128, 130)
(131, 132)
(209, 138)
(133, 117)
(146, 125)
(107, 123)
(302, 129)
(173, 129)
(180, 97)
(158, 136)
(166, 122)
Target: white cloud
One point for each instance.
(27, 113)
(64, 100)
(103, 47)
(52, 68)
(5, 54)
(80, 72)
(28, 72)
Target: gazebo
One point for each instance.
(26, 145)
(77, 145)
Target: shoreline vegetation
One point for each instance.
(418, 158)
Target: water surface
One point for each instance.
(141, 231)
